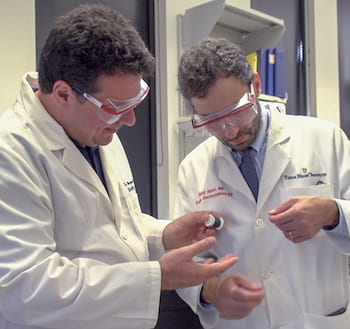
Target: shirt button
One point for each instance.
(259, 222)
(265, 274)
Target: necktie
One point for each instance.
(248, 171)
(95, 161)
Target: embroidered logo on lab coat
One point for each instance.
(211, 193)
(304, 174)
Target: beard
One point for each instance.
(245, 136)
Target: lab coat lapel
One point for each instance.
(276, 159)
(76, 163)
(229, 173)
(50, 133)
(108, 155)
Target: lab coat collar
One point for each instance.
(54, 137)
(227, 170)
(277, 156)
(53, 134)
(276, 160)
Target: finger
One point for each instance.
(204, 232)
(202, 216)
(209, 261)
(283, 218)
(221, 259)
(218, 267)
(288, 235)
(297, 238)
(282, 207)
(225, 257)
(193, 218)
(212, 260)
(199, 247)
(294, 236)
(286, 224)
(249, 297)
(245, 283)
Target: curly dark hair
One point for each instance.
(89, 41)
(210, 59)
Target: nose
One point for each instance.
(230, 131)
(128, 119)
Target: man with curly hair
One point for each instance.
(76, 251)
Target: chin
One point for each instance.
(103, 140)
(237, 147)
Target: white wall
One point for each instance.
(17, 35)
(326, 60)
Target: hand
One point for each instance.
(187, 229)
(233, 295)
(179, 270)
(301, 218)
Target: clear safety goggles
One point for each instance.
(238, 115)
(112, 112)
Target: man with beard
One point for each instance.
(281, 183)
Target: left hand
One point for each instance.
(234, 296)
(179, 270)
(187, 229)
(301, 218)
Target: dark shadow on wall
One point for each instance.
(344, 63)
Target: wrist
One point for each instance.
(331, 226)
(208, 291)
(334, 219)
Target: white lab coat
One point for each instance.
(71, 254)
(302, 282)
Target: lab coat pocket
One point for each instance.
(323, 191)
(341, 321)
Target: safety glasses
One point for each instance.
(238, 115)
(112, 112)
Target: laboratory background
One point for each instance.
(319, 85)
(311, 33)
(159, 142)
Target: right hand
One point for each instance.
(233, 295)
(179, 270)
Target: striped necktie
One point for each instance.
(248, 171)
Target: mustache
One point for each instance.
(243, 132)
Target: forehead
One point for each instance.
(222, 94)
(118, 86)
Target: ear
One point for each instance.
(62, 92)
(257, 84)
